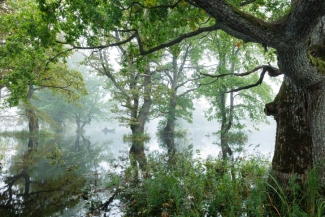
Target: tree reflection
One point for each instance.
(170, 141)
(38, 183)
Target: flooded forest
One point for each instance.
(162, 108)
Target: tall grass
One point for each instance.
(212, 187)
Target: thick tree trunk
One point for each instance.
(316, 120)
(308, 90)
(293, 145)
(137, 154)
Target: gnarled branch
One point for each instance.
(272, 71)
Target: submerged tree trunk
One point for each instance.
(137, 154)
(77, 142)
(169, 129)
(176, 80)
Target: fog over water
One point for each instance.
(261, 141)
(199, 134)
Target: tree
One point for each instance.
(81, 111)
(132, 90)
(65, 82)
(291, 36)
(293, 33)
(26, 64)
(231, 108)
(179, 78)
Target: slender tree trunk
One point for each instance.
(169, 129)
(78, 123)
(87, 141)
(32, 119)
(30, 112)
(226, 122)
(77, 142)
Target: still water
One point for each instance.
(56, 176)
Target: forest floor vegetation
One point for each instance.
(193, 186)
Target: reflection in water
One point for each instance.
(47, 177)
(35, 185)
(54, 176)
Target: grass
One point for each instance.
(212, 187)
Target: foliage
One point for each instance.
(150, 22)
(197, 187)
(140, 137)
(80, 111)
(230, 59)
(27, 60)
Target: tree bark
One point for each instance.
(30, 112)
(137, 154)
(32, 119)
(226, 122)
(293, 144)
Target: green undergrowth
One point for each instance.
(212, 187)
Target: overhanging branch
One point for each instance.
(136, 36)
(272, 71)
(153, 7)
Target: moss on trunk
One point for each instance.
(293, 148)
